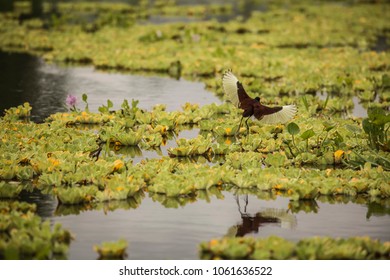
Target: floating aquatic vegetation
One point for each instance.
(25, 236)
(322, 156)
(9, 189)
(83, 117)
(376, 126)
(191, 147)
(115, 250)
(153, 140)
(276, 160)
(128, 138)
(178, 179)
(20, 112)
(244, 161)
(225, 147)
(315, 248)
(120, 135)
(226, 130)
(76, 195)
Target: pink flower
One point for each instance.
(71, 100)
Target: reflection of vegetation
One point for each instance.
(107, 206)
(23, 235)
(273, 247)
(180, 201)
(306, 206)
(378, 208)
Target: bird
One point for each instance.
(237, 95)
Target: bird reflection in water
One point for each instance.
(252, 222)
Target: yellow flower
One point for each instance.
(120, 189)
(163, 129)
(54, 162)
(118, 164)
(277, 187)
(338, 155)
(228, 130)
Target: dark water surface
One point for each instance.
(26, 78)
(153, 230)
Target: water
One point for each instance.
(153, 230)
(156, 232)
(25, 78)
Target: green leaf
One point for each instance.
(84, 97)
(338, 139)
(385, 81)
(308, 134)
(109, 104)
(367, 126)
(134, 103)
(378, 116)
(293, 128)
(328, 126)
(102, 109)
(353, 128)
(304, 100)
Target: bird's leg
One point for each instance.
(237, 197)
(247, 126)
(239, 126)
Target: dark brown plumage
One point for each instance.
(236, 94)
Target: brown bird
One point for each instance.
(237, 95)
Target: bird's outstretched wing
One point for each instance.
(272, 115)
(234, 90)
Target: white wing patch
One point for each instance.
(283, 116)
(229, 84)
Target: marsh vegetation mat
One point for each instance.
(152, 160)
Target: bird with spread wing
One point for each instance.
(237, 95)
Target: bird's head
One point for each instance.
(257, 99)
